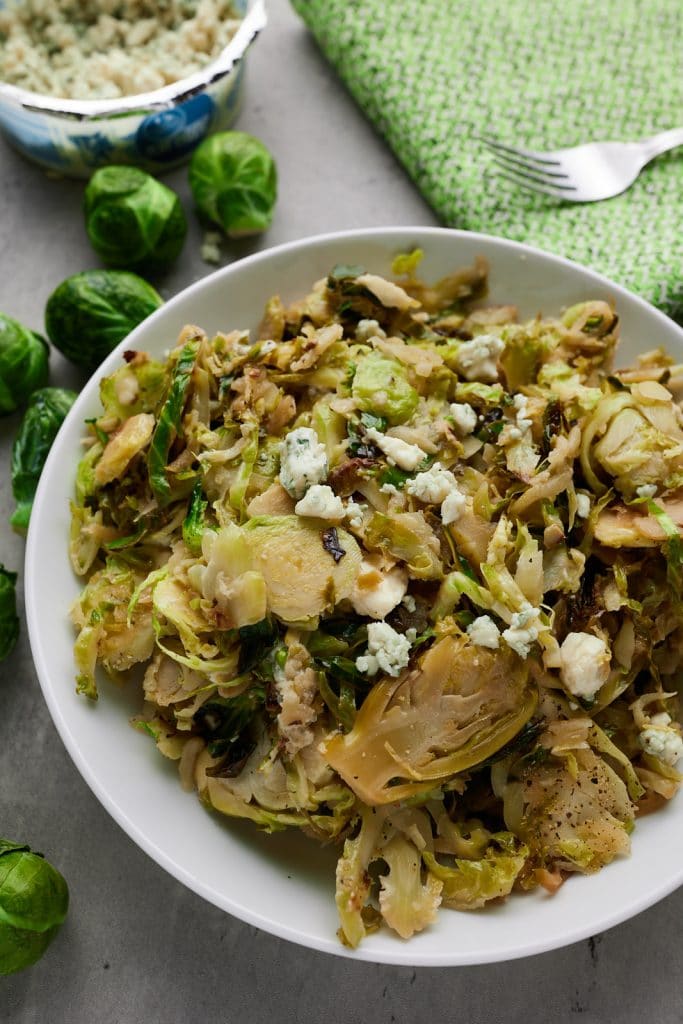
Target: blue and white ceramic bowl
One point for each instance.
(156, 130)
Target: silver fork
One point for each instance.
(581, 174)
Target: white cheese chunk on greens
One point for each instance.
(320, 502)
(453, 506)
(431, 486)
(523, 631)
(303, 461)
(367, 329)
(354, 514)
(399, 453)
(484, 632)
(477, 359)
(388, 651)
(584, 664)
(464, 417)
(659, 740)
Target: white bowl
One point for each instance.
(285, 883)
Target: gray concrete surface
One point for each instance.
(137, 946)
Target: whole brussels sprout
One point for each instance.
(9, 620)
(34, 900)
(42, 419)
(90, 313)
(132, 219)
(234, 182)
(23, 363)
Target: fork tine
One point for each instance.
(529, 185)
(542, 173)
(526, 154)
(536, 180)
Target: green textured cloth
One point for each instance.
(430, 74)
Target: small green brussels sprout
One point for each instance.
(42, 419)
(90, 313)
(381, 385)
(34, 899)
(23, 363)
(9, 620)
(132, 219)
(234, 182)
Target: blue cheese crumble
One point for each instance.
(453, 506)
(103, 49)
(387, 650)
(523, 631)
(660, 741)
(303, 461)
(399, 453)
(432, 486)
(584, 664)
(464, 417)
(377, 591)
(320, 502)
(438, 486)
(484, 632)
(583, 505)
(477, 359)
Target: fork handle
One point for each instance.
(661, 143)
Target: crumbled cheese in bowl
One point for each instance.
(432, 486)
(320, 502)
(387, 650)
(464, 417)
(104, 49)
(476, 359)
(303, 461)
(585, 664)
(484, 632)
(399, 453)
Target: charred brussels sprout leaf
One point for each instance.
(34, 899)
(42, 419)
(234, 182)
(90, 313)
(331, 544)
(9, 620)
(255, 644)
(224, 722)
(132, 219)
(23, 364)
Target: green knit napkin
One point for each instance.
(431, 74)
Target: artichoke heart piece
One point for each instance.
(458, 708)
(302, 579)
